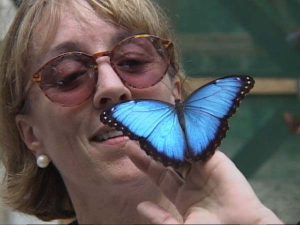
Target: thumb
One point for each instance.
(155, 214)
(137, 155)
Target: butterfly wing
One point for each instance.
(154, 124)
(206, 112)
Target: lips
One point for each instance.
(103, 136)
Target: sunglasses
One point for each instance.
(140, 61)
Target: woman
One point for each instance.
(60, 161)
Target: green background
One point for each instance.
(258, 38)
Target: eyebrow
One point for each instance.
(71, 46)
(76, 46)
(68, 46)
(119, 37)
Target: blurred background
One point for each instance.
(260, 38)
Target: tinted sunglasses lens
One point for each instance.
(141, 62)
(69, 79)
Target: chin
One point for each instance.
(124, 171)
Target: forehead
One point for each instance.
(77, 25)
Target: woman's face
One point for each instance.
(68, 134)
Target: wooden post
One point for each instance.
(263, 86)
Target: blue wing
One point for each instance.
(206, 112)
(173, 140)
(154, 124)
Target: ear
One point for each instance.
(28, 134)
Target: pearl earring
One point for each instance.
(42, 161)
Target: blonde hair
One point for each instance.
(41, 192)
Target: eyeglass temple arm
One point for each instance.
(167, 43)
(37, 78)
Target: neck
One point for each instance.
(117, 204)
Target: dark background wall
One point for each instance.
(259, 38)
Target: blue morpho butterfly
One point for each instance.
(188, 130)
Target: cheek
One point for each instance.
(162, 91)
(69, 124)
(153, 93)
(55, 124)
(63, 136)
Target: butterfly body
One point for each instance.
(179, 107)
(187, 131)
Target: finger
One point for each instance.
(221, 180)
(218, 169)
(197, 215)
(156, 214)
(166, 178)
(223, 169)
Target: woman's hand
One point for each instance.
(214, 192)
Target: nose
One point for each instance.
(110, 88)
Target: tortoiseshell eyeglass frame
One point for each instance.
(37, 77)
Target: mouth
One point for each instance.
(107, 135)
